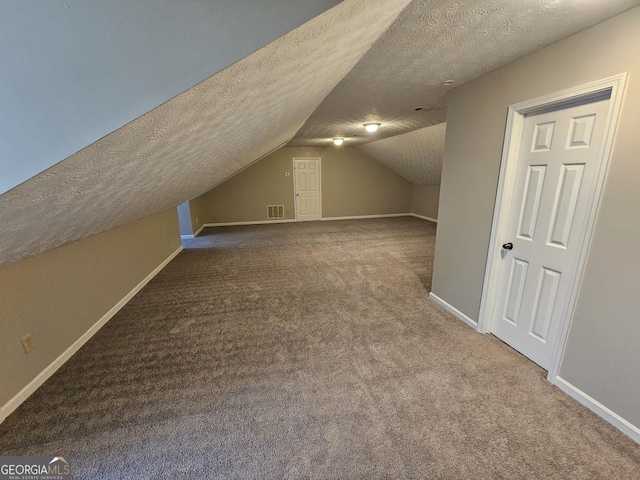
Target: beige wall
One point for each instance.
(198, 213)
(245, 196)
(59, 295)
(191, 216)
(425, 200)
(353, 183)
(602, 357)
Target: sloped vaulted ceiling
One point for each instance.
(438, 40)
(196, 140)
(417, 155)
(76, 70)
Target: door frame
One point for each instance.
(506, 183)
(295, 202)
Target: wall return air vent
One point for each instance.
(275, 211)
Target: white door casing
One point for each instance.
(307, 184)
(554, 163)
(555, 179)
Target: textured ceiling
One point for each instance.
(437, 40)
(205, 135)
(194, 141)
(417, 155)
(76, 70)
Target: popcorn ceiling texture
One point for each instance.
(203, 136)
(437, 40)
(417, 156)
(196, 140)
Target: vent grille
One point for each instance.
(275, 211)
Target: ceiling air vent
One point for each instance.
(275, 211)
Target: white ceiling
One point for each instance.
(205, 135)
(194, 141)
(76, 70)
(437, 40)
(417, 155)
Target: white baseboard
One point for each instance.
(599, 409)
(592, 404)
(195, 234)
(43, 376)
(434, 220)
(362, 217)
(324, 219)
(256, 222)
(451, 309)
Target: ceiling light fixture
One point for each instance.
(371, 127)
(447, 82)
(338, 141)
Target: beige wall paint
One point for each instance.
(197, 210)
(191, 216)
(602, 357)
(425, 200)
(353, 183)
(245, 196)
(59, 295)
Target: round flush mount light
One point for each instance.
(338, 141)
(371, 127)
(447, 82)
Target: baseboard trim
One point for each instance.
(256, 222)
(453, 310)
(195, 234)
(9, 407)
(599, 409)
(291, 220)
(324, 219)
(434, 220)
(363, 217)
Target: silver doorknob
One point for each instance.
(508, 246)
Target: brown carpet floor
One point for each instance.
(308, 351)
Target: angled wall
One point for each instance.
(76, 70)
(59, 295)
(194, 141)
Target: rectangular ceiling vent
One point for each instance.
(275, 211)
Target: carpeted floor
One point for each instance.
(308, 351)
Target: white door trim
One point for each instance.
(504, 197)
(295, 202)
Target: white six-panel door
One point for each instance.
(308, 200)
(557, 173)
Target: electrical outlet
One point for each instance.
(197, 220)
(27, 342)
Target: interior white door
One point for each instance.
(307, 183)
(556, 177)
